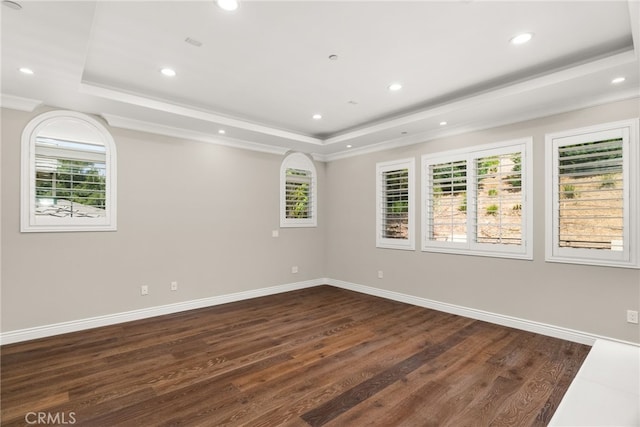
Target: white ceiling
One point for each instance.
(264, 70)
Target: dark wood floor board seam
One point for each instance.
(317, 356)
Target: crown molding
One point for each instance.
(115, 94)
(19, 103)
(149, 127)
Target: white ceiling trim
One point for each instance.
(142, 126)
(91, 88)
(19, 103)
(439, 134)
(541, 81)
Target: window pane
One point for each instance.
(395, 209)
(499, 199)
(298, 195)
(591, 198)
(70, 179)
(448, 201)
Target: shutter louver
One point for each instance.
(395, 209)
(591, 197)
(448, 201)
(498, 218)
(70, 179)
(298, 200)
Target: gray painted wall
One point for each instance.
(583, 298)
(202, 215)
(196, 213)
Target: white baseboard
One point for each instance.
(499, 319)
(144, 313)
(112, 319)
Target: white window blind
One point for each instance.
(592, 195)
(498, 218)
(298, 198)
(298, 192)
(476, 201)
(447, 201)
(70, 179)
(591, 202)
(394, 196)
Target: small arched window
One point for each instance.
(298, 192)
(68, 174)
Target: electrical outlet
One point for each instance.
(632, 316)
(380, 274)
(144, 290)
(294, 269)
(174, 286)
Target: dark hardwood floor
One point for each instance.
(321, 356)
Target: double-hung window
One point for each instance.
(395, 205)
(592, 195)
(478, 201)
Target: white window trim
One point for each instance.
(523, 251)
(629, 256)
(302, 162)
(387, 243)
(29, 222)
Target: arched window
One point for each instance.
(68, 174)
(298, 192)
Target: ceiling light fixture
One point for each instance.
(617, 80)
(443, 123)
(228, 5)
(521, 38)
(317, 116)
(169, 72)
(349, 146)
(395, 86)
(333, 57)
(25, 70)
(222, 131)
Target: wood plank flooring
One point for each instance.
(316, 357)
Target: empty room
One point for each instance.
(320, 213)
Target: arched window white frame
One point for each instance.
(68, 180)
(298, 192)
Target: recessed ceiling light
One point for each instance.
(317, 116)
(169, 72)
(443, 123)
(25, 70)
(193, 42)
(228, 5)
(222, 131)
(395, 86)
(618, 80)
(404, 132)
(349, 146)
(333, 57)
(521, 38)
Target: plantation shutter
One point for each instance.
(70, 179)
(447, 204)
(395, 208)
(298, 199)
(498, 199)
(591, 195)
